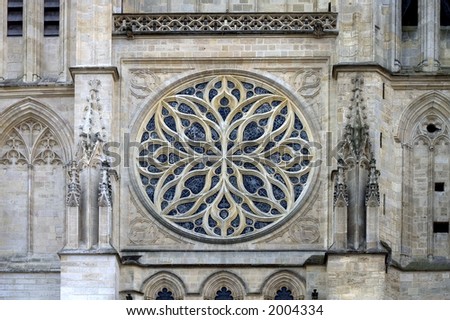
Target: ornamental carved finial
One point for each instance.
(104, 187)
(340, 188)
(373, 189)
(73, 188)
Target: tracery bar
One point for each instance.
(318, 23)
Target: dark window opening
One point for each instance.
(15, 18)
(51, 18)
(224, 294)
(440, 227)
(284, 294)
(410, 13)
(445, 12)
(439, 187)
(432, 128)
(165, 294)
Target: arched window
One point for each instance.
(223, 294)
(284, 294)
(164, 294)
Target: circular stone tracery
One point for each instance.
(224, 157)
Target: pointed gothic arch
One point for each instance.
(424, 136)
(30, 108)
(163, 282)
(223, 279)
(284, 279)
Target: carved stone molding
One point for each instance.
(305, 230)
(373, 189)
(307, 82)
(143, 82)
(317, 24)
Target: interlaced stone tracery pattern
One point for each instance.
(319, 23)
(224, 157)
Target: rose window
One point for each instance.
(224, 157)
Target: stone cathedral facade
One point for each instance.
(224, 149)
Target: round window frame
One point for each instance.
(141, 119)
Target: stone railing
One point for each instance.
(318, 24)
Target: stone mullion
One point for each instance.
(406, 215)
(430, 196)
(429, 33)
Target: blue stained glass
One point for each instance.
(186, 225)
(305, 163)
(165, 112)
(269, 146)
(211, 222)
(143, 163)
(164, 294)
(154, 181)
(145, 136)
(218, 85)
(151, 124)
(229, 170)
(247, 107)
(263, 122)
(170, 193)
(195, 184)
(198, 149)
(172, 213)
(278, 122)
(230, 145)
(179, 170)
(224, 204)
(259, 90)
(251, 166)
(230, 84)
(284, 110)
(261, 224)
(224, 101)
(189, 91)
(185, 207)
(201, 86)
(279, 178)
(237, 116)
(248, 221)
(153, 169)
(265, 107)
(286, 157)
(211, 117)
(283, 204)
(185, 109)
(298, 124)
(304, 151)
(263, 193)
(173, 104)
(210, 199)
(173, 157)
(233, 134)
(294, 180)
(230, 231)
(247, 85)
(185, 193)
(304, 135)
(233, 181)
(164, 204)
(224, 112)
(214, 181)
(247, 230)
(294, 134)
(214, 134)
(246, 207)
(185, 122)
(198, 222)
(277, 103)
(236, 198)
(201, 207)
(162, 158)
(143, 153)
(297, 190)
(169, 137)
(275, 157)
(235, 222)
(200, 230)
(169, 178)
(252, 131)
(295, 146)
(278, 193)
(250, 94)
(252, 183)
(201, 108)
(274, 211)
(295, 168)
(150, 192)
(218, 170)
(223, 214)
(212, 94)
(304, 178)
(279, 137)
(284, 294)
(144, 179)
(264, 207)
(198, 166)
(196, 132)
(153, 147)
(236, 93)
(223, 294)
